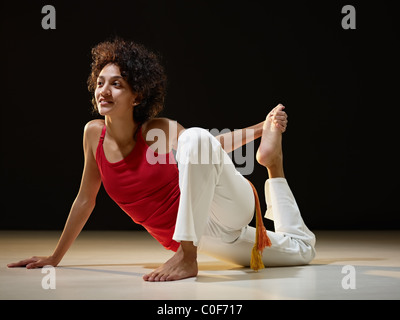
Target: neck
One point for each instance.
(121, 130)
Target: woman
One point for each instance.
(199, 203)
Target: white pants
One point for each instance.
(217, 203)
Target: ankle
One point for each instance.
(276, 171)
(188, 250)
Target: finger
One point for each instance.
(282, 122)
(33, 265)
(279, 107)
(281, 113)
(277, 110)
(33, 262)
(21, 263)
(12, 265)
(280, 117)
(281, 127)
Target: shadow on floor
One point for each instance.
(208, 271)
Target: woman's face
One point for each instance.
(113, 94)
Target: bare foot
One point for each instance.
(182, 265)
(269, 153)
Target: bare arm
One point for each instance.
(86, 199)
(81, 208)
(237, 138)
(233, 140)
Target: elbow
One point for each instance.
(85, 203)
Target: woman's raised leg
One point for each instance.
(292, 242)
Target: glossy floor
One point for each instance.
(110, 265)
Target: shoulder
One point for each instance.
(171, 130)
(91, 134)
(93, 128)
(156, 123)
(170, 127)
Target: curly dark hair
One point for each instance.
(140, 67)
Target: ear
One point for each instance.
(137, 100)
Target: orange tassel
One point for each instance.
(262, 239)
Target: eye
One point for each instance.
(117, 84)
(99, 83)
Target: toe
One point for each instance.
(146, 277)
(158, 277)
(164, 277)
(150, 277)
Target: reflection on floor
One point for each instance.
(109, 265)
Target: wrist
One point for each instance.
(55, 260)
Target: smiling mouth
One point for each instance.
(104, 102)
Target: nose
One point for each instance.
(105, 91)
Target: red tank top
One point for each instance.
(148, 191)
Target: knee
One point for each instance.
(307, 254)
(304, 250)
(308, 247)
(198, 146)
(196, 137)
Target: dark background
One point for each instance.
(228, 63)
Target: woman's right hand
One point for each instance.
(34, 262)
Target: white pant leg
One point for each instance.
(292, 242)
(284, 211)
(212, 190)
(217, 203)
